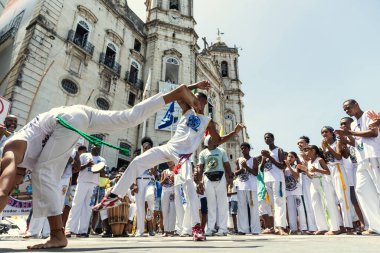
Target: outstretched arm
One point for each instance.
(222, 139)
(202, 85)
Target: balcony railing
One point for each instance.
(80, 42)
(110, 63)
(134, 81)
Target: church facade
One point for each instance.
(100, 53)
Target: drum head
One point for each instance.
(98, 167)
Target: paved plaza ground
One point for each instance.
(237, 244)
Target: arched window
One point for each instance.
(133, 73)
(81, 33)
(69, 86)
(174, 5)
(110, 55)
(172, 70)
(224, 69)
(210, 108)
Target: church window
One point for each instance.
(174, 5)
(133, 73)
(224, 69)
(110, 56)
(137, 46)
(172, 70)
(69, 86)
(210, 108)
(81, 34)
(102, 103)
(131, 99)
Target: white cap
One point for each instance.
(207, 139)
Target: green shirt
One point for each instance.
(213, 159)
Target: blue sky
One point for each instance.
(300, 60)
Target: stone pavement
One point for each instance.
(237, 244)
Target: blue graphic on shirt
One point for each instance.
(193, 122)
(268, 165)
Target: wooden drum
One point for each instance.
(118, 217)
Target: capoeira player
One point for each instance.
(367, 143)
(189, 133)
(45, 146)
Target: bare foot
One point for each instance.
(53, 242)
(281, 231)
(332, 233)
(320, 232)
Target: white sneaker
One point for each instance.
(139, 235)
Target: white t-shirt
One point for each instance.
(69, 167)
(271, 172)
(292, 185)
(189, 133)
(245, 180)
(350, 170)
(168, 185)
(316, 165)
(234, 190)
(86, 175)
(365, 147)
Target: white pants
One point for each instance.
(324, 204)
(368, 191)
(179, 207)
(310, 217)
(80, 213)
(265, 208)
(296, 209)
(145, 193)
(248, 198)
(151, 158)
(132, 211)
(279, 202)
(48, 162)
(39, 226)
(192, 206)
(217, 204)
(168, 209)
(342, 191)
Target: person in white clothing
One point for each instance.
(272, 164)
(350, 165)
(188, 135)
(302, 143)
(145, 193)
(294, 195)
(44, 145)
(6, 131)
(216, 170)
(322, 193)
(367, 143)
(167, 200)
(333, 151)
(248, 205)
(80, 213)
(233, 205)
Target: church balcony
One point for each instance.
(133, 81)
(80, 42)
(110, 63)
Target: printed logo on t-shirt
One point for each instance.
(290, 183)
(212, 163)
(330, 157)
(244, 177)
(268, 165)
(193, 122)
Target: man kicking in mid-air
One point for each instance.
(44, 146)
(189, 133)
